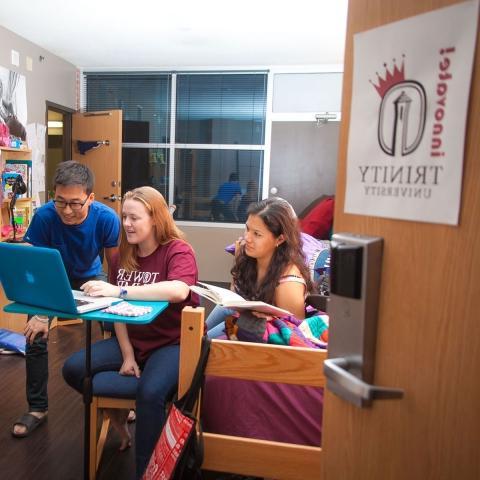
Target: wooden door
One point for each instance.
(428, 339)
(106, 160)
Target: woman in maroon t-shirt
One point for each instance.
(155, 263)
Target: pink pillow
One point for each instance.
(318, 222)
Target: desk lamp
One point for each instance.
(18, 188)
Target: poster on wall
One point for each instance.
(36, 134)
(411, 84)
(13, 102)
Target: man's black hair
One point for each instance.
(72, 172)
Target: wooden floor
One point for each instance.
(55, 450)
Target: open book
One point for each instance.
(227, 298)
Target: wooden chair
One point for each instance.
(98, 435)
(98, 438)
(251, 361)
(103, 391)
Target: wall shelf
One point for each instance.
(12, 321)
(7, 153)
(16, 150)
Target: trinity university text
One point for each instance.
(405, 192)
(400, 181)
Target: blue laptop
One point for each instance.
(36, 276)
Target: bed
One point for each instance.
(287, 447)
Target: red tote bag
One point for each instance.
(179, 451)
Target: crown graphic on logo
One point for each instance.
(397, 75)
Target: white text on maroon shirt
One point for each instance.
(125, 278)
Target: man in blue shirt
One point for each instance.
(79, 228)
(223, 202)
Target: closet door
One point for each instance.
(428, 337)
(106, 160)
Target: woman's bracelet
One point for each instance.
(41, 318)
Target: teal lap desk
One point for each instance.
(99, 315)
(157, 308)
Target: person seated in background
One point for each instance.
(224, 202)
(80, 228)
(269, 263)
(251, 196)
(155, 263)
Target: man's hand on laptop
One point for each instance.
(98, 288)
(37, 324)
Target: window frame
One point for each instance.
(172, 146)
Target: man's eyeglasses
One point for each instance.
(73, 205)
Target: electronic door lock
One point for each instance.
(355, 273)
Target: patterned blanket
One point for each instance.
(311, 332)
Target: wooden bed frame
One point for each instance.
(251, 361)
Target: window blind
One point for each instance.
(221, 108)
(144, 99)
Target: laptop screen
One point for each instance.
(35, 276)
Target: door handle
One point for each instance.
(351, 388)
(112, 197)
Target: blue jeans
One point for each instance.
(156, 386)
(216, 321)
(36, 362)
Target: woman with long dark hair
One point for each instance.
(269, 263)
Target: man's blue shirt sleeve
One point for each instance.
(111, 230)
(38, 232)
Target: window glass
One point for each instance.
(216, 185)
(221, 108)
(143, 98)
(145, 166)
(212, 109)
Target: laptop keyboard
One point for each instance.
(79, 303)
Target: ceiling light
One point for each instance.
(55, 124)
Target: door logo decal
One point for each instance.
(402, 112)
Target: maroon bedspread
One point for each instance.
(262, 410)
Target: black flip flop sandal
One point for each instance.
(30, 422)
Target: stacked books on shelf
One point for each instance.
(12, 169)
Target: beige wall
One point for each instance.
(52, 79)
(209, 243)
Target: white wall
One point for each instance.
(293, 145)
(52, 79)
(304, 161)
